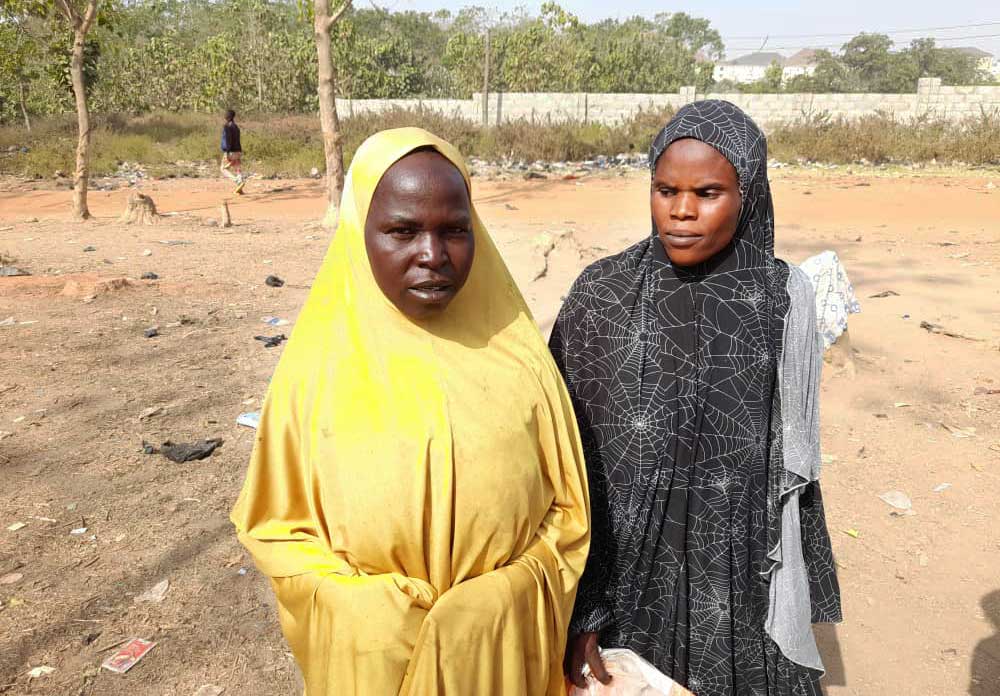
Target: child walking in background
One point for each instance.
(232, 151)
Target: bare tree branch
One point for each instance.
(69, 11)
(88, 19)
(338, 14)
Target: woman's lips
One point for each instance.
(681, 241)
(432, 292)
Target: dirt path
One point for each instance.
(921, 592)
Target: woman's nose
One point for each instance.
(684, 207)
(431, 252)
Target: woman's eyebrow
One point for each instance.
(400, 219)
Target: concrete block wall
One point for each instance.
(931, 98)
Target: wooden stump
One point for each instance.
(140, 209)
(226, 220)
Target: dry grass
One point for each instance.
(290, 145)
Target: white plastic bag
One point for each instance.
(630, 676)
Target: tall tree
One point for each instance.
(80, 15)
(324, 18)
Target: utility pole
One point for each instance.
(486, 82)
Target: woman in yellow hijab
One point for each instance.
(417, 492)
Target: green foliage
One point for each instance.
(259, 56)
(867, 64)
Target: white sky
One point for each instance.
(781, 18)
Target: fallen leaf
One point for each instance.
(828, 458)
(960, 433)
(78, 531)
(156, 593)
(42, 671)
(901, 404)
(16, 526)
(853, 533)
(150, 412)
(11, 578)
(941, 487)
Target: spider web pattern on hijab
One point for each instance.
(673, 375)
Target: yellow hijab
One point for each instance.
(430, 453)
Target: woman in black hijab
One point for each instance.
(693, 362)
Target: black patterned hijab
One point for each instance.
(673, 375)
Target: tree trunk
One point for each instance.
(140, 209)
(24, 107)
(81, 178)
(328, 120)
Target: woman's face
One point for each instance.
(419, 234)
(695, 201)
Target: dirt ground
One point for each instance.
(915, 412)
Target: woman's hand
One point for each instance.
(583, 648)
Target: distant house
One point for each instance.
(802, 63)
(985, 60)
(753, 66)
(748, 68)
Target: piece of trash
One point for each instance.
(11, 578)
(89, 248)
(250, 420)
(209, 690)
(147, 252)
(174, 242)
(150, 412)
(12, 272)
(130, 653)
(828, 458)
(43, 519)
(185, 452)
(19, 419)
(275, 321)
(78, 531)
(151, 332)
(274, 281)
(16, 526)
(885, 293)
(853, 533)
(941, 487)
(42, 671)
(960, 433)
(901, 404)
(156, 593)
(241, 571)
(897, 499)
(149, 275)
(271, 341)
